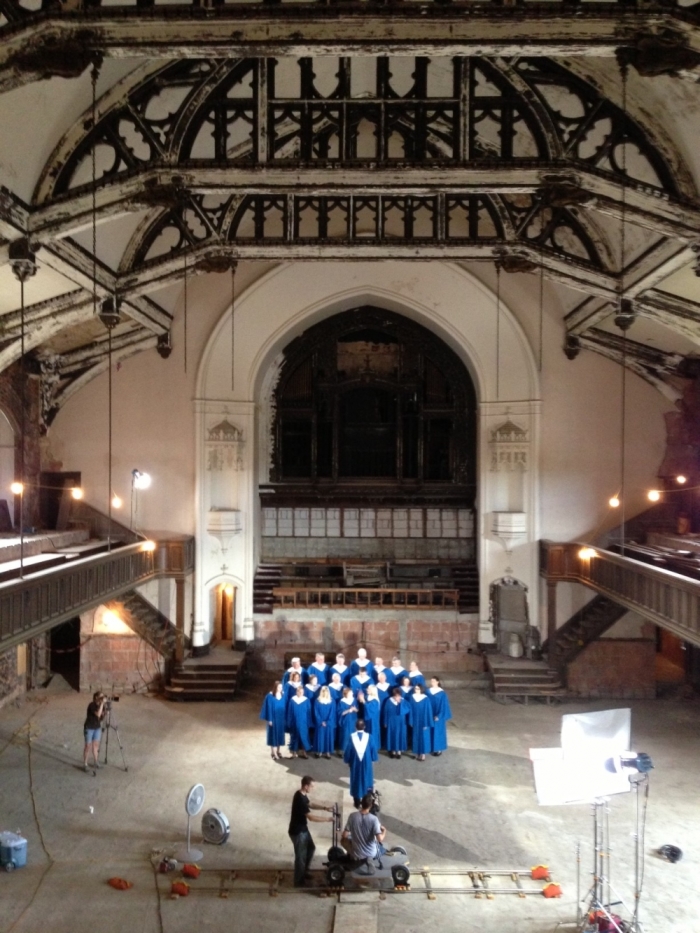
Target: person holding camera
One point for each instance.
(93, 729)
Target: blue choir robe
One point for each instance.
(359, 754)
(274, 711)
(383, 692)
(372, 721)
(416, 678)
(323, 673)
(311, 692)
(324, 720)
(395, 675)
(420, 717)
(346, 721)
(290, 691)
(291, 670)
(407, 691)
(356, 667)
(441, 713)
(394, 721)
(344, 672)
(376, 671)
(298, 716)
(360, 682)
(336, 691)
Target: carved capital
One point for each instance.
(658, 55)
(65, 55)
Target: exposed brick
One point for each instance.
(620, 668)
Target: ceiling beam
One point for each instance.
(44, 330)
(262, 29)
(654, 366)
(640, 204)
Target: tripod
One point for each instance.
(110, 724)
(599, 912)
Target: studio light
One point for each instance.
(630, 763)
(140, 480)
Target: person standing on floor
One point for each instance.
(441, 713)
(92, 729)
(346, 713)
(320, 669)
(361, 663)
(396, 672)
(371, 715)
(336, 687)
(394, 721)
(298, 721)
(324, 722)
(415, 676)
(341, 668)
(420, 717)
(304, 847)
(359, 754)
(294, 668)
(274, 711)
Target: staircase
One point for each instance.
(518, 678)
(213, 677)
(466, 579)
(588, 624)
(267, 577)
(151, 625)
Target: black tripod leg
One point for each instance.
(121, 747)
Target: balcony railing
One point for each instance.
(355, 598)
(41, 600)
(668, 599)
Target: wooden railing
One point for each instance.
(668, 599)
(355, 598)
(41, 600)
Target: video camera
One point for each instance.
(109, 700)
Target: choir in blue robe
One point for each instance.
(344, 672)
(323, 673)
(441, 713)
(324, 719)
(360, 682)
(421, 719)
(394, 720)
(395, 675)
(298, 715)
(274, 711)
(359, 754)
(416, 678)
(347, 719)
(336, 691)
(311, 692)
(372, 713)
(290, 690)
(380, 670)
(292, 670)
(361, 664)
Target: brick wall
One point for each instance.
(618, 668)
(10, 681)
(126, 661)
(437, 645)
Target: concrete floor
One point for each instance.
(474, 806)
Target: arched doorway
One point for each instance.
(224, 613)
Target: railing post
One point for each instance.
(179, 620)
(551, 613)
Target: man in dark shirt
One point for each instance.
(93, 729)
(304, 847)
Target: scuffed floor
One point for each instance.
(473, 807)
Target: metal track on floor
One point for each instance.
(428, 882)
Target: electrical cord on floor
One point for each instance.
(32, 796)
(154, 866)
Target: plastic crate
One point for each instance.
(13, 851)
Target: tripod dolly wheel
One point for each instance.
(400, 874)
(335, 875)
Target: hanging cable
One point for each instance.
(498, 329)
(233, 328)
(185, 310)
(109, 435)
(625, 315)
(93, 80)
(541, 322)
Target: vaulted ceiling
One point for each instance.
(554, 140)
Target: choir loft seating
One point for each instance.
(358, 584)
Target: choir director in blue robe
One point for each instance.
(441, 713)
(359, 754)
(274, 711)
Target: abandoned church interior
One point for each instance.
(328, 325)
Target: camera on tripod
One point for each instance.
(108, 702)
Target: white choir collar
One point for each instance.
(435, 689)
(300, 699)
(417, 697)
(360, 740)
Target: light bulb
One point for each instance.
(76, 492)
(116, 502)
(228, 589)
(614, 502)
(17, 488)
(681, 480)
(148, 546)
(653, 495)
(586, 553)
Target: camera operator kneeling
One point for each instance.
(363, 836)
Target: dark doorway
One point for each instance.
(52, 486)
(65, 652)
